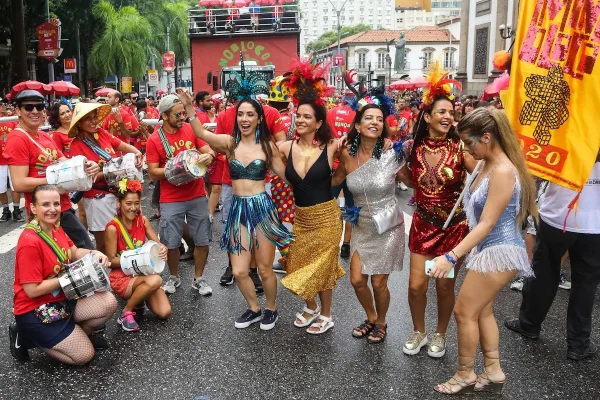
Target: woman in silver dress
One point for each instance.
(371, 177)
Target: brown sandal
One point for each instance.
(378, 334)
(363, 329)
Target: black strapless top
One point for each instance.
(315, 188)
(255, 171)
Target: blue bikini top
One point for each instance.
(255, 171)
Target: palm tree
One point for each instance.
(122, 48)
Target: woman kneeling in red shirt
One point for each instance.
(130, 226)
(44, 317)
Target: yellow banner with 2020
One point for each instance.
(555, 87)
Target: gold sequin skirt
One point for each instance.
(313, 260)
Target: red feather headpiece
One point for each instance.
(439, 84)
(306, 81)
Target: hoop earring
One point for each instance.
(257, 135)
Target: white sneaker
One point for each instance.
(172, 284)
(202, 287)
(517, 284)
(402, 187)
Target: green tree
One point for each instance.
(330, 37)
(122, 47)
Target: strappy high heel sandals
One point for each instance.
(455, 386)
(485, 381)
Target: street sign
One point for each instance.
(152, 77)
(111, 79)
(338, 78)
(67, 78)
(143, 92)
(70, 66)
(126, 84)
(48, 40)
(168, 60)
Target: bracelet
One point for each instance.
(191, 118)
(455, 255)
(450, 259)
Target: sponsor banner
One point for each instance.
(168, 60)
(126, 84)
(553, 77)
(48, 40)
(153, 77)
(274, 50)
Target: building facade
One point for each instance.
(480, 39)
(446, 8)
(375, 51)
(408, 18)
(319, 16)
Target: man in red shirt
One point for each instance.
(203, 105)
(180, 204)
(404, 120)
(29, 151)
(16, 215)
(121, 123)
(340, 118)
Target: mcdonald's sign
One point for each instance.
(70, 66)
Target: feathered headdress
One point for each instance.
(246, 84)
(374, 95)
(306, 81)
(438, 84)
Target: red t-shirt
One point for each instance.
(5, 129)
(404, 122)
(107, 143)
(152, 113)
(111, 125)
(63, 142)
(21, 151)
(340, 120)
(183, 139)
(137, 233)
(202, 116)
(35, 262)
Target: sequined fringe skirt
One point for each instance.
(313, 260)
(255, 213)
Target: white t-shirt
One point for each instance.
(586, 218)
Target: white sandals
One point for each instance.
(314, 314)
(324, 324)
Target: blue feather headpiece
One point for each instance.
(374, 95)
(245, 85)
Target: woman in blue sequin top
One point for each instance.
(498, 198)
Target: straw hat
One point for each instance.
(83, 109)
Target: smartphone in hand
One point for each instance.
(429, 264)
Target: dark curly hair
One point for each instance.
(353, 134)
(54, 115)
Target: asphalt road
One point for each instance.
(198, 354)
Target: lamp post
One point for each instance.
(169, 42)
(339, 30)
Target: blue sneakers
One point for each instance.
(269, 320)
(248, 318)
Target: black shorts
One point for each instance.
(34, 333)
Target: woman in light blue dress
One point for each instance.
(498, 199)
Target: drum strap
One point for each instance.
(125, 234)
(165, 142)
(60, 253)
(96, 149)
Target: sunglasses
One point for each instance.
(179, 114)
(30, 107)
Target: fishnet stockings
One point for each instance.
(92, 312)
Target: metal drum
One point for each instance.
(69, 174)
(184, 168)
(121, 167)
(83, 278)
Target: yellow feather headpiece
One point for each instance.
(439, 84)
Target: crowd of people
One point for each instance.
(277, 168)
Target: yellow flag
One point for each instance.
(554, 89)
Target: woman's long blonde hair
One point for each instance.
(495, 122)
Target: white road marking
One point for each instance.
(9, 240)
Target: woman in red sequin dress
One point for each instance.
(437, 167)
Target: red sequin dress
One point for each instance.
(438, 187)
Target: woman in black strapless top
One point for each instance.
(313, 265)
(253, 228)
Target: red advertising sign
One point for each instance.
(338, 60)
(168, 61)
(70, 66)
(225, 52)
(48, 39)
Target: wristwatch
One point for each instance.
(192, 117)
